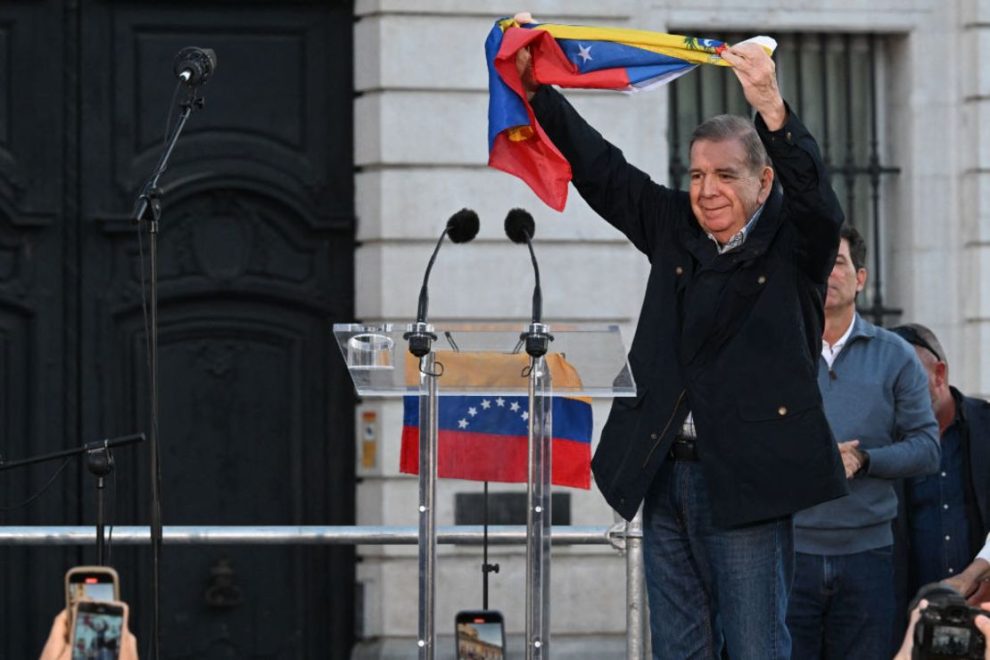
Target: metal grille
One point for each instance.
(835, 84)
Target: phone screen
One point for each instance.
(480, 636)
(91, 590)
(97, 631)
(92, 583)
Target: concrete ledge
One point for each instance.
(556, 9)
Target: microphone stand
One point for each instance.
(486, 568)
(149, 209)
(100, 463)
(420, 336)
(537, 340)
(538, 514)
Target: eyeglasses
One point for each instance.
(912, 336)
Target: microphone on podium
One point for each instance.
(462, 227)
(520, 228)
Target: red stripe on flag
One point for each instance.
(502, 458)
(537, 162)
(535, 159)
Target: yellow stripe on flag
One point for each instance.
(673, 45)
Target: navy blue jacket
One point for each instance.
(734, 338)
(974, 420)
(974, 415)
(976, 443)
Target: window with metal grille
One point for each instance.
(835, 84)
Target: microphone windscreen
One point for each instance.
(463, 226)
(194, 65)
(519, 226)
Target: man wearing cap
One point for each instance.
(948, 512)
(876, 401)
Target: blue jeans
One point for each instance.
(842, 606)
(711, 586)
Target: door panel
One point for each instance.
(255, 264)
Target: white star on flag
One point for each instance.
(472, 411)
(500, 402)
(525, 415)
(462, 423)
(584, 52)
(514, 406)
(486, 404)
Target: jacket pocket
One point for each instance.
(776, 405)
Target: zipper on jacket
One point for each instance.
(666, 426)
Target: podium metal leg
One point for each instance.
(538, 517)
(636, 617)
(427, 506)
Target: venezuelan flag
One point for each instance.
(573, 56)
(486, 438)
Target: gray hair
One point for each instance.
(733, 127)
(919, 335)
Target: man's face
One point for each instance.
(725, 192)
(929, 366)
(937, 372)
(845, 280)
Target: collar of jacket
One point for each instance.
(862, 329)
(958, 397)
(702, 248)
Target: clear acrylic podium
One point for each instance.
(488, 359)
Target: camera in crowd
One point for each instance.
(947, 627)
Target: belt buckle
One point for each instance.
(684, 449)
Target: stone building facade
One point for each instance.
(420, 151)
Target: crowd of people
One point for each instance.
(801, 471)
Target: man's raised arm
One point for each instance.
(619, 192)
(796, 159)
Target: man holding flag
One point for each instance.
(726, 437)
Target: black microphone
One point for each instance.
(520, 228)
(462, 227)
(194, 66)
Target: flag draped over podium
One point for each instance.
(486, 438)
(573, 56)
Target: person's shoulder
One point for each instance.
(977, 402)
(894, 342)
(895, 351)
(977, 409)
(976, 412)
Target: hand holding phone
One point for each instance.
(60, 640)
(98, 630)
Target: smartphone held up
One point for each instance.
(480, 635)
(99, 583)
(98, 630)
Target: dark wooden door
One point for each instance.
(256, 263)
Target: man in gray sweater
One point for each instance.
(876, 400)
